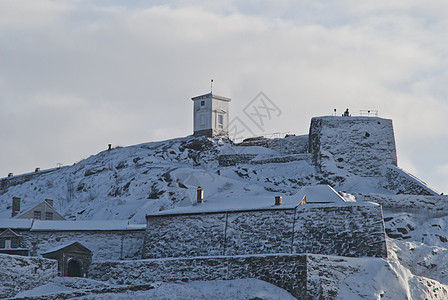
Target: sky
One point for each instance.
(76, 76)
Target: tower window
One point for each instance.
(202, 103)
(220, 121)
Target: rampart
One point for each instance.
(302, 275)
(433, 206)
(360, 145)
(404, 183)
(352, 230)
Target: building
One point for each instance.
(42, 211)
(11, 243)
(211, 115)
(74, 259)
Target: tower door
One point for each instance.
(74, 269)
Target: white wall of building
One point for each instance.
(210, 115)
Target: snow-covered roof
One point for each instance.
(16, 223)
(320, 194)
(50, 225)
(44, 225)
(64, 246)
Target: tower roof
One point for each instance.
(211, 95)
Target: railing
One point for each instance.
(368, 113)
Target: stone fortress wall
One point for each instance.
(283, 270)
(353, 230)
(361, 145)
(104, 244)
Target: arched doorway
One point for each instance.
(73, 269)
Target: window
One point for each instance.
(48, 216)
(220, 121)
(15, 243)
(37, 214)
(202, 103)
(8, 244)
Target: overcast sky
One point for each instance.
(78, 75)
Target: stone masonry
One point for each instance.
(352, 230)
(285, 271)
(305, 276)
(360, 145)
(19, 273)
(118, 244)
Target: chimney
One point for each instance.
(110, 147)
(15, 206)
(49, 201)
(278, 200)
(200, 195)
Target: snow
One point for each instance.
(130, 182)
(63, 285)
(16, 223)
(46, 289)
(322, 193)
(319, 194)
(59, 247)
(44, 225)
(241, 289)
(52, 225)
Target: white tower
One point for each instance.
(211, 115)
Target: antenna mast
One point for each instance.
(211, 85)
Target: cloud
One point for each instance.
(77, 75)
(27, 15)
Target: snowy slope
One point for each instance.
(128, 183)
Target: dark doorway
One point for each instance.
(74, 270)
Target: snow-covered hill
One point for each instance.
(128, 183)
